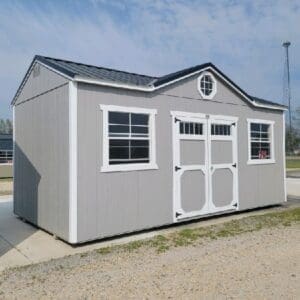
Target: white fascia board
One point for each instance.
(269, 106)
(72, 162)
(283, 157)
(113, 84)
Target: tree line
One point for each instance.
(6, 126)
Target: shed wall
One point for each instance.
(119, 202)
(41, 161)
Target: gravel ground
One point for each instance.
(258, 265)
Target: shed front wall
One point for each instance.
(41, 158)
(119, 202)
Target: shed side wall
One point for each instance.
(119, 202)
(41, 162)
(42, 82)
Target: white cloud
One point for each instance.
(156, 37)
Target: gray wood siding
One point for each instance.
(36, 85)
(41, 162)
(119, 202)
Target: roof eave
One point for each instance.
(114, 84)
(155, 85)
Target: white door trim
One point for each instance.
(198, 117)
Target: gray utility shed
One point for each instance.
(101, 152)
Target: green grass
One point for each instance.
(9, 179)
(293, 163)
(5, 193)
(188, 236)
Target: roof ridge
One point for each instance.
(94, 66)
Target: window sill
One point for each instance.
(261, 162)
(128, 167)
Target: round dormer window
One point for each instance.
(207, 85)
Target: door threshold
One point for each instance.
(208, 215)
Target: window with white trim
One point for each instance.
(128, 138)
(261, 141)
(207, 85)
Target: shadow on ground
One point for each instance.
(13, 231)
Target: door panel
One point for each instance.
(193, 195)
(221, 152)
(222, 187)
(192, 152)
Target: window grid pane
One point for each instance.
(206, 85)
(260, 141)
(129, 140)
(220, 129)
(190, 128)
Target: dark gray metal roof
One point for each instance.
(72, 69)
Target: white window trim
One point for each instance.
(214, 91)
(106, 167)
(272, 152)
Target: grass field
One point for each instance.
(293, 162)
(6, 179)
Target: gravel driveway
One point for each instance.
(256, 265)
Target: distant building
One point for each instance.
(6, 148)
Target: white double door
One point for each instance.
(204, 164)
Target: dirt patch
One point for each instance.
(6, 186)
(254, 259)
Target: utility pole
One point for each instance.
(286, 81)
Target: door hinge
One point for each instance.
(177, 214)
(176, 120)
(177, 168)
(235, 205)
(233, 124)
(234, 165)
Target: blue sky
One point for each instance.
(243, 38)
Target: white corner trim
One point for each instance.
(214, 90)
(14, 151)
(272, 147)
(106, 167)
(284, 156)
(72, 162)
